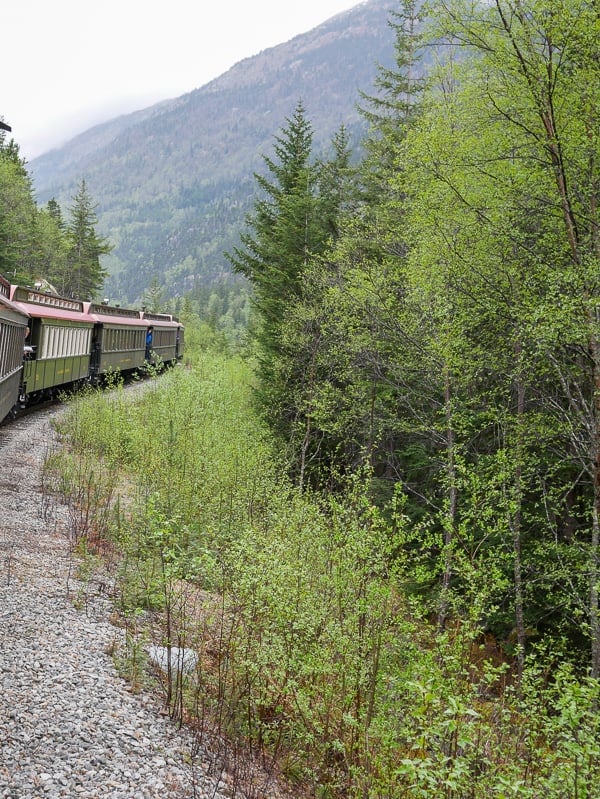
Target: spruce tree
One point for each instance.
(284, 231)
(85, 275)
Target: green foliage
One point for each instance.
(293, 223)
(428, 624)
(36, 244)
(84, 274)
(223, 312)
(311, 649)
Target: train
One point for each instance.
(50, 343)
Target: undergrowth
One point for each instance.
(309, 652)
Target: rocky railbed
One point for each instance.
(69, 725)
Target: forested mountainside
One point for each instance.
(174, 182)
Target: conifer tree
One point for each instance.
(84, 275)
(359, 288)
(284, 232)
(17, 216)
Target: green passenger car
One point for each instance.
(58, 344)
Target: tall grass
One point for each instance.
(310, 654)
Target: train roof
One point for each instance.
(111, 315)
(42, 305)
(166, 318)
(160, 320)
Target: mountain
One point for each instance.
(174, 182)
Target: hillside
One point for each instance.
(173, 182)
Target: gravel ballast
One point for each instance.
(69, 724)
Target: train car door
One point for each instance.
(96, 351)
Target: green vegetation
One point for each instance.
(37, 244)
(314, 651)
(383, 541)
(445, 335)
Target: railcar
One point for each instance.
(119, 340)
(49, 342)
(58, 344)
(14, 326)
(164, 338)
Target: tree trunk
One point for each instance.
(450, 520)
(516, 522)
(595, 541)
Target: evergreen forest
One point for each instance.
(370, 501)
(37, 245)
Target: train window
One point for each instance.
(56, 342)
(12, 337)
(8, 361)
(8, 356)
(3, 346)
(59, 341)
(17, 353)
(6, 348)
(47, 338)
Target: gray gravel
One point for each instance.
(69, 725)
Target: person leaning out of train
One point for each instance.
(148, 342)
(27, 348)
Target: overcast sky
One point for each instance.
(69, 64)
